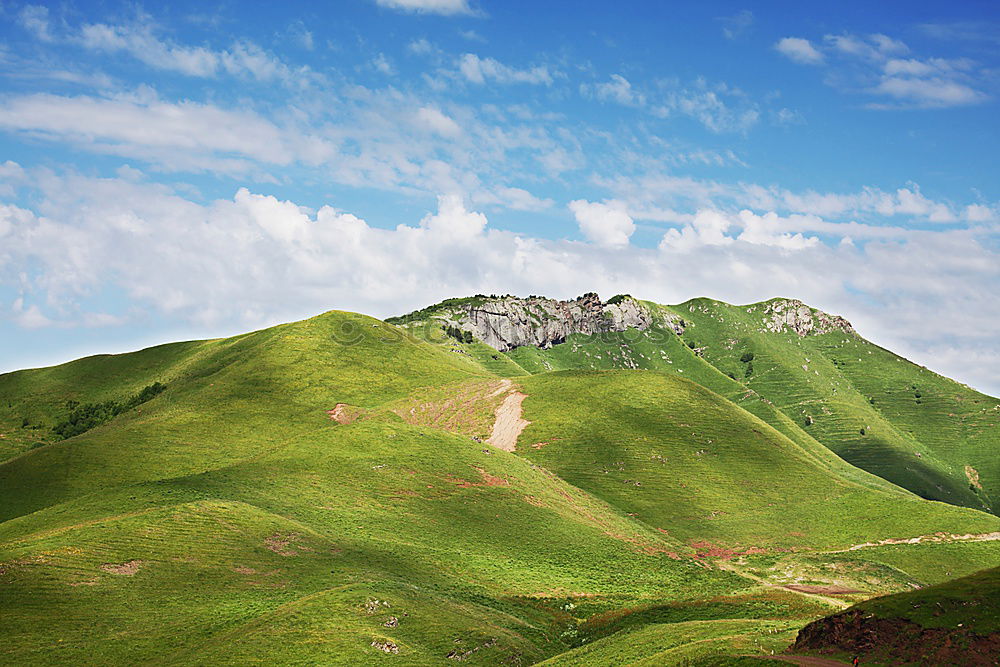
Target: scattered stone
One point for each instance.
(386, 646)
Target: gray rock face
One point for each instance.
(793, 315)
(508, 322)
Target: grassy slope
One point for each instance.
(920, 430)
(266, 531)
(686, 461)
(257, 527)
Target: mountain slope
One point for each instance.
(807, 373)
(321, 492)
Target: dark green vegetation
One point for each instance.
(84, 417)
(321, 493)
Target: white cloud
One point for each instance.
(251, 260)
(480, 70)
(453, 220)
(873, 64)
(708, 228)
(185, 135)
(519, 199)
(934, 92)
(383, 64)
(618, 90)
(607, 224)
(140, 41)
(421, 47)
(799, 50)
(434, 120)
(443, 7)
(35, 18)
(768, 229)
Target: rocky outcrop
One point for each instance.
(507, 322)
(792, 315)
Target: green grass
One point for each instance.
(230, 520)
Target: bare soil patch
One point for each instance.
(279, 544)
(343, 413)
(508, 424)
(126, 569)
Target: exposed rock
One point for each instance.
(386, 646)
(793, 315)
(507, 322)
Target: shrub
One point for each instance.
(747, 357)
(84, 417)
(749, 371)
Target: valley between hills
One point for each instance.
(498, 480)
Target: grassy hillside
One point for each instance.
(953, 623)
(876, 410)
(321, 492)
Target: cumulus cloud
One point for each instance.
(708, 228)
(443, 7)
(799, 50)
(607, 224)
(253, 259)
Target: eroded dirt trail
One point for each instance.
(508, 424)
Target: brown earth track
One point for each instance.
(508, 424)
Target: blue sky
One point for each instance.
(204, 169)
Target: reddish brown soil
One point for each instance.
(897, 641)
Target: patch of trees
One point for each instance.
(458, 334)
(83, 417)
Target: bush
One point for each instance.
(84, 417)
(749, 371)
(747, 357)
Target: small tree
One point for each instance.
(747, 357)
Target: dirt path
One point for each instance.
(806, 660)
(502, 386)
(509, 424)
(936, 538)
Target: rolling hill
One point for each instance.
(343, 490)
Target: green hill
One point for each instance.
(324, 492)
